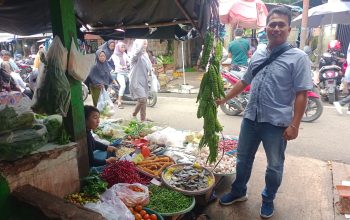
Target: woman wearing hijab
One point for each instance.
(108, 48)
(140, 69)
(121, 68)
(7, 83)
(99, 76)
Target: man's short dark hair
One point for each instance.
(280, 11)
(239, 32)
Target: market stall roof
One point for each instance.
(110, 18)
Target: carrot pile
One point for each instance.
(154, 165)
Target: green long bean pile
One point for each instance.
(164, 200)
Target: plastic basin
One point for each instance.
(150, 211)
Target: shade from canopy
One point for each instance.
(23, 17)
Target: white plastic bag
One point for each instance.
(168, 136)
(58, 54)
(130, 197)
(112, 211)
(52, 95)
(79, 65)
(155, 86)
(109, 197)
(105, 104)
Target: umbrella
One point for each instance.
(328, 13)
(243, 13)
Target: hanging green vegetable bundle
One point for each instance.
(211, 89)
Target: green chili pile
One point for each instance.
(164, 200)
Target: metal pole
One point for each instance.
(304, 23)
(332, 25)
(183, 62)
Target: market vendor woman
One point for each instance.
(99, 153)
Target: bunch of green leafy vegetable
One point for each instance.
(136, 128)
(165, 59)
(93, 185)
(63, 137)
(12, 120)
(53, 125)
(102, 135)
(40, 116)
(19, 143)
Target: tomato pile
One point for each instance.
(141, 214)
(135, 188)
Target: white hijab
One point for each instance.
(138, 47)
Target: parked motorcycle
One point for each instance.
(237, 104)
(331, 72)
(330, 80)
(24, 70)
(113, 91)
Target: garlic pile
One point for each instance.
(226, 166)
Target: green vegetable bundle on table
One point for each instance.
(93, 185)
(211, 89)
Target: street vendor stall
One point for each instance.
(160, 171)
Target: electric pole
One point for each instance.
(304, 23)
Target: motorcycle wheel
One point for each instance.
(152, 99)
(231, 107)
(313, 111)
(331, 97)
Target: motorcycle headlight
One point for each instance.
(324, 75)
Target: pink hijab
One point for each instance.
(119, 53)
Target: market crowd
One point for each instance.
(10, 79)
(114, 65)
(126, 69)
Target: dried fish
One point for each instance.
(190, 178)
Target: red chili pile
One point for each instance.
(123, 172)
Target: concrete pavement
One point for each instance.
(306, 192)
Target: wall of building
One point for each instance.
(158, 47)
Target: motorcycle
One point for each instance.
(25, 68)
(330, 76)
(236, 105)
(113, 92)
